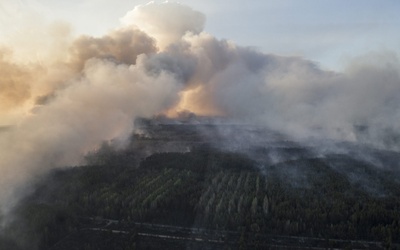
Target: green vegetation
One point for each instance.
(204, 188)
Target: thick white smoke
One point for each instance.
(166, 22)
(160, 61)
(68, 107)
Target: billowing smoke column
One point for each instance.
(58, 109)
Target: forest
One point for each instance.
(171, 181)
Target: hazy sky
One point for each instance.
(326, 31)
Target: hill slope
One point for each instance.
(193, 186)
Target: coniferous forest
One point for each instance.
(174, 188)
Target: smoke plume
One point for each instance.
(14, 86)
(160, 61)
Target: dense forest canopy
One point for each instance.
(172, 173)
(189, 175)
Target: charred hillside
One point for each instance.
(197, 184)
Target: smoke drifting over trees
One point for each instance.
(65, 104)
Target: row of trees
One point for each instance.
(208, 189)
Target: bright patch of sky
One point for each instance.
(328, 32)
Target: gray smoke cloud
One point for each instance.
(122, 46)
(160, 61)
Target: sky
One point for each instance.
(331, 33)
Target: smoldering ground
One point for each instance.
(68, 103)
